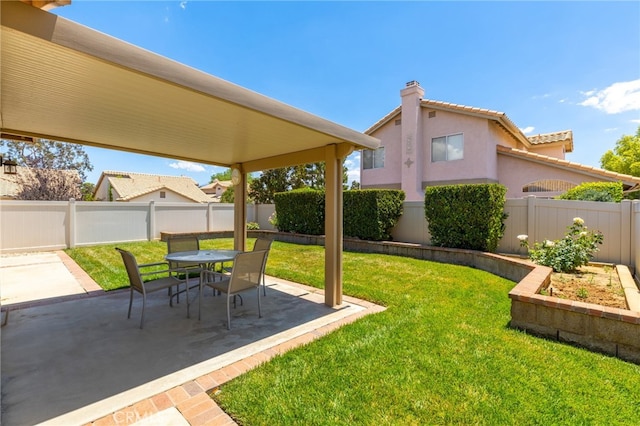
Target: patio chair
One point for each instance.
(167, 281)
(178, 244)
(263, 244)
(246, 274)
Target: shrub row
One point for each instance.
(369, 214)
(595, 191)
(466, 216)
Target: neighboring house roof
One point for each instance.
(498, 117)
(133, 185)
(627, 180)
(212, 185)
(211, 191)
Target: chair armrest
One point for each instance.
(146, 265)
(164, 271)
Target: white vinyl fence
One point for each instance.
(50, 225)
(546, 219)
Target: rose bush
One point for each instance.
(576, 249)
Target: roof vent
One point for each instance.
(412, 83)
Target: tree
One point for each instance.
(311, 175)
(48, 154)
(87, 189)
(49, 185)
(261, 190)
(226, 175)
(228, 196)
(625, 157)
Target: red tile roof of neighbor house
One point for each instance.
(565, 136)
(627, 180)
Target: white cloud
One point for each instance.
(183, 5)
(527, 129)
(352, 162)
(188, 166)
(611, 129)
(637, 121)
(617, 98)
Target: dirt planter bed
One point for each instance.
(612, 331)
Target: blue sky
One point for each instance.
(549, 66)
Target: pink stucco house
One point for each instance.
(426, 143)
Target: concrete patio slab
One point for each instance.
(76, 361)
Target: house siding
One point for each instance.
(389, 175)
(479, 157)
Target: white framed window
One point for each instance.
(373, 159)
(447, 148)
(163, 194)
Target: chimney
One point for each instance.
(412, 143)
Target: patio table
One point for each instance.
(207, 259)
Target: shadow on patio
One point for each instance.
(75, 361)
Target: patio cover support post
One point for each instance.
(333, 225)
(240, 211)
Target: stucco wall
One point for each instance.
(556, 151)
(390, 136)
(479, 165)
(479, 147)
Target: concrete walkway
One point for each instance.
(71, 357)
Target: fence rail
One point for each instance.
(49, 225)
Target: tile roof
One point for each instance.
(132, 185)
(565, 136)
(627, 180)
(223, 183)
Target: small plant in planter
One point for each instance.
(576, 249)
(582, 293)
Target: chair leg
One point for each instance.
(130, 302)
(228, 312)
(144, 302)
(259, 307)
(200, 299)
(264, 285)
(187, 296)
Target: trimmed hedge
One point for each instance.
(300, 211)
(368, 214)
(466, 216)
(595, 191)
(371, 214)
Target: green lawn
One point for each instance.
(440, 354)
